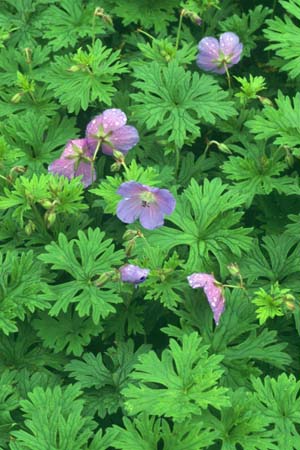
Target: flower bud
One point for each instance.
(233, 269)
(16, 98)
(47, 204)
(265, 101)
(30, 227)
(130, 234)
(50, 218)
(223, 147)
(75, 68)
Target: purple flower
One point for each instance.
(216, 55)
(212, 291)
(149, 204)
(75, 160)
(109, 130)
(133, 274)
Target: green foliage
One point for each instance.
(103, 382)
(279, 403)
(271, 304)
(258, 171)
(41, 199)
(284, 35)
(146, 433)
(238, 337)
(180, 384)
(246, 25)
(241, 425)
(163, 51)
(92, 256)
(66, 332)
(69, 22)
(206, 220)
(249, 89)
(53, 419)
(147, 13)
(80, 79)
(8, 403)
(22, 289)
(278, 123)
(173, 101)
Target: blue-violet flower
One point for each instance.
(149, 204)
(109, 130)
(75, 160)
(212, 291)
(215, 56)
(133, 274)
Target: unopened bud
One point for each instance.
(75, 68)
(28, 55)
(115, 167)
(233, 269)
(50, 218)
(224, 148)
(265, 101)
(129, 247)
(47, 204)
(104, 277)
(130, 234)
(16, 98)
(29, 228)
(119, 156)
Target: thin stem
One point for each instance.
(179, 30)
(93, 29)
(39, 220)
(139, 30)
(94, 159)
(273, 8)
(228, 76)
(177, 152)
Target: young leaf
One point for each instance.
(174, 101)
(87, 76)
(180, 384)
(91, 257)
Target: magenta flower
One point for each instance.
(133, 274)
(212, 291)
(109, 130)
(146, 203)
(75, 160)
(215, 56)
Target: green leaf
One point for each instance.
(85, 77)
(284, 34)
(173, 101)
(66, 332)
(278, 123)
(8, 403)
(54, 419)
(279, 403)
(91, 257)
(257, 171)
(180, 384)
(69, 22)
(206, 221)
(22, 289)
(105, 381)
(146, 13)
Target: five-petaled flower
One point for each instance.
(75, 160)
(149, 204)
(133, 274)
(213, 292)
(109, 130)
(217, 56)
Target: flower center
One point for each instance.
(147, 198)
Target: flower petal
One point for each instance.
(93, 126)
(165, 201)
(151, 217)
(228, 42)
(113, 119)
(124, 138)
(107, 149)
(62, 166)
(209, 46)
(199, 280)
(88, 175)
(133, 274)
(131, 188)
(129, 209)
(209, 64)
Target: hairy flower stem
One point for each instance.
(179, 30)
(228, 76)
(94, 158)
(139, 30)
(177, 163)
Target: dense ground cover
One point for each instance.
(150, 224)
